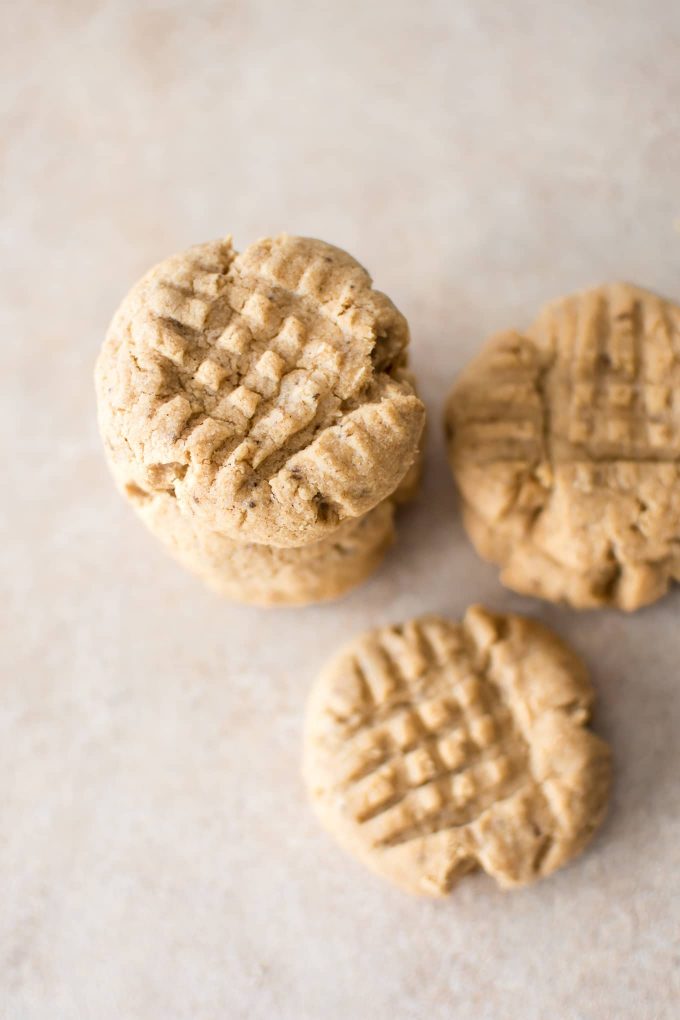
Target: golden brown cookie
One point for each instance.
(565, 445)
(266, 390)
(435, 748)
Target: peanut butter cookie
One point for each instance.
(265, 391)
(565, 445)
(435, 748)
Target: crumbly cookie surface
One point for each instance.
(435, 748)
(266, 391)
(565, 445)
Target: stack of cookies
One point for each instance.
(259, 414)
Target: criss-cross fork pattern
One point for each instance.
(595, 380)
(262, 350)
(611, 390)
(432, 744)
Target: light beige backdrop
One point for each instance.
(157, 857)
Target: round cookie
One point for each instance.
(435, 748)
(266, 390)
(565, 445)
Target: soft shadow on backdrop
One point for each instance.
(157, 858)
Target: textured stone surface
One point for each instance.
(479, 158)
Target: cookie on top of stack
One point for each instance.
(259, 414)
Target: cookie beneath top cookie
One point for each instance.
(266, 575)
(265, 391)
(435, 748)
(565, 444)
